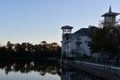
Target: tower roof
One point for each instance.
(110, 13)
(66, 27)
(110, 10)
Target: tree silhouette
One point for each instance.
(106, 41)
(27, 50)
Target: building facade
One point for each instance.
(76, 44)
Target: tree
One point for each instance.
(9, 47)
(106, 41)
(43, 43)
(27, 50)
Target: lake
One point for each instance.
(40, 70)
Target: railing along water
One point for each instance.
(103, 71)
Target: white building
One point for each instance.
(75, 44)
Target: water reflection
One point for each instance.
(40, 70)
(42, 67)
(70, 73)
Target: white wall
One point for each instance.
(71, 45)
(84, 45)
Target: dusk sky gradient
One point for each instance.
(37, 20)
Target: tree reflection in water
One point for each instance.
(42, 67)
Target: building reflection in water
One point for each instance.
(69, 73)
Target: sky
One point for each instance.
(37, 20)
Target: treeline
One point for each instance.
(29, 51)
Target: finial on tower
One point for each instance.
(110, 10)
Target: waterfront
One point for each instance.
(27, 70)
(72, 73)
(41, 70)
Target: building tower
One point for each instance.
(110, 18)
(66, 35)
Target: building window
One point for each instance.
(86, 41)
(78, 43)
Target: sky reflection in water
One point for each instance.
(27, 76)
